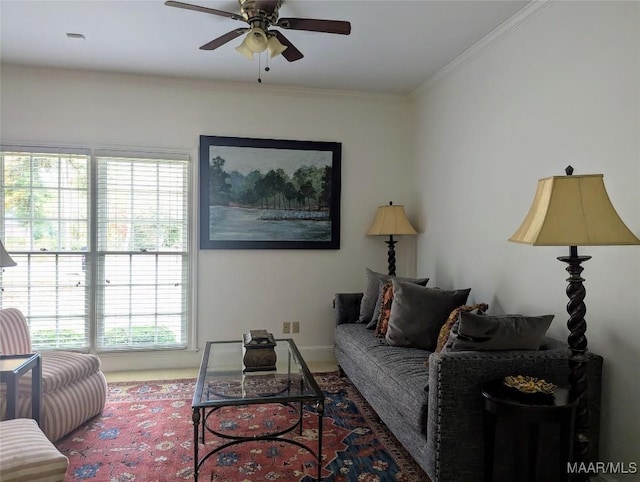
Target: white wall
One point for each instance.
(560, 88)
(237, 290)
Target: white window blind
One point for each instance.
(46, 230)
(142, 255)
(102, 265)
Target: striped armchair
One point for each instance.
(73, 387)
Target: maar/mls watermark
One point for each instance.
(595, 468)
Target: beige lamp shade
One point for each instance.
(275, 46)
(244, 50)
(5, 259)
(391, 220)
(254, 42)
(573, 211)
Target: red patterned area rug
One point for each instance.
(145, 434)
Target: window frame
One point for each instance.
(92, 254)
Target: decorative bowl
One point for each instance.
(526, 385)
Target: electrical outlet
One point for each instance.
(295, 327)
(286, 327)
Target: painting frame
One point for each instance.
(295, 204)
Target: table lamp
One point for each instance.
(391, 220)
(5, 259)
(574, 211)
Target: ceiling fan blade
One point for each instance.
(291, 53)
(223, 39)
(315, 25)
(198, 8)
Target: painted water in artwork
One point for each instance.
(250, 224)
(264, 194)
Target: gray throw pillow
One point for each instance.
(498, 332)
(418, 313)
(371, 294)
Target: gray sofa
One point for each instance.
(436, 411)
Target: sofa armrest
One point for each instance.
(347, 306)
(456, 406)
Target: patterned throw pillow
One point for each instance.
(386, 299)
(443, 336)
(376, 312)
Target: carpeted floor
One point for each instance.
(145, 434)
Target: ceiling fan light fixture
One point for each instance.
(254, 42)
(275, 46)
(245, 50)
(257, 40)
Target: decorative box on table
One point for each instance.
(259, 351)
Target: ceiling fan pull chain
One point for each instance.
(266, 68)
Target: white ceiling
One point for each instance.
(394, 46)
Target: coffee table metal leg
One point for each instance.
(300, 418)
(320, 410)
(195, 418)
(204, 423)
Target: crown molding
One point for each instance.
(505, 30)
(250, 87)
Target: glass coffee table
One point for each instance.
(224, 385)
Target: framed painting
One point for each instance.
(269, 193)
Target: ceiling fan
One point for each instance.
(260, 15)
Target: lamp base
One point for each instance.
(391, 256)
(577, 361)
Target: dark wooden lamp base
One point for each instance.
(577, 361)
(391, 255)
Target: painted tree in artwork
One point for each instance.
(290, 193)
(219, 186)
(308, 188)
(324, 199)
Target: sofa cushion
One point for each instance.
(497, 332)
(61, 368)
(372, 290)
(66, 407)
(418, 313)
(353, 338)
(397, 372)
(26, 455)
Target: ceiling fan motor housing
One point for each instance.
(260, 13)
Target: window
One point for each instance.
(102, 246)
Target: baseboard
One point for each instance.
(150, 360)
(317, 353)
(165, 360)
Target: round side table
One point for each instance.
(523, 417)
